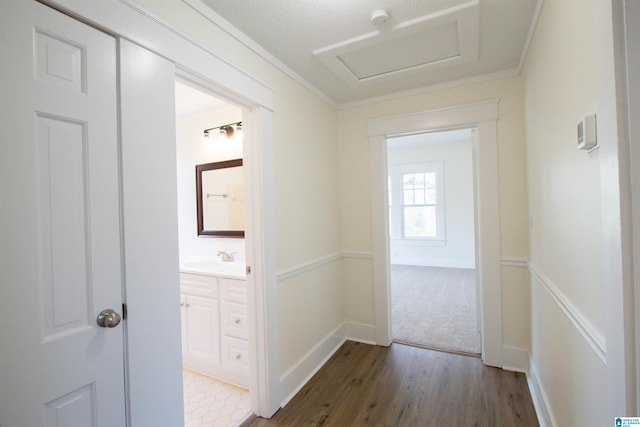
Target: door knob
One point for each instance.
(108, 319)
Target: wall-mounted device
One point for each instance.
(587, 133)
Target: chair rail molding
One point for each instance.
(595, 340)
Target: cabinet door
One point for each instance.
(203, 332)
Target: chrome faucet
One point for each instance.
(226, 257)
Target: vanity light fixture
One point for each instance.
(239, 134)
(230, 131)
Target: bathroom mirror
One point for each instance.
(220, 199)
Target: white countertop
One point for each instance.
(233, 270)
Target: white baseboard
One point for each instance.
(515, 359)
(539, 397)
(360, 332)
(298, 375)
(519, 360)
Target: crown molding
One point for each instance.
(204, 10)
(532, 31)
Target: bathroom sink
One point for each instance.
(215, 267)
(204, 265)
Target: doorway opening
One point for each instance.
(213, 254)
(432, 247)
(483, 117)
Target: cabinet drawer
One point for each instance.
(234, 320)
(235, 354)
(233, 290)
(199, 285)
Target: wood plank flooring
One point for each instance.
(364, 385)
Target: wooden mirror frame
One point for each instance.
(199, 201)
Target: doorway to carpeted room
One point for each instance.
(432, 242)
(435, 307)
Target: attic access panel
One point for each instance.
(404, 53)
(446, 38)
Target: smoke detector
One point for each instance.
(379, 17)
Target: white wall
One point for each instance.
(458, 248)
(191, 151)
(566, 246)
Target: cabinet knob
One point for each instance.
(237, 321)
(238, 356)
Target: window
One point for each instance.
(419, 204)
(416, 208)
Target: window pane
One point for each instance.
(420, 221)
(430, 197)
(419, 197)
(430, 180)
(407, 180)
(419, 180)
(389, 190)
(408, 197)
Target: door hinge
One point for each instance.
(248, 269)
(124, 311)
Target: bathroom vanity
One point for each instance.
(213, 306)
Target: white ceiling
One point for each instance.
(332, 44)
(192, 102)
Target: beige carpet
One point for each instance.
(434, 307)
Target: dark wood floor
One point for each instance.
(364, 385)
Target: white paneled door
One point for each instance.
(60, 263)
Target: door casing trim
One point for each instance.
(483, 116)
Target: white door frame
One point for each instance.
(127, 20)
(620, 171)
(483, 116)
(256, 171)
(632, 37)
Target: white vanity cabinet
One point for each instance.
(214, 326)
(233, 326)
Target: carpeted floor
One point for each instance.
(434, 307)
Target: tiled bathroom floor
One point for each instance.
(212, 403)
